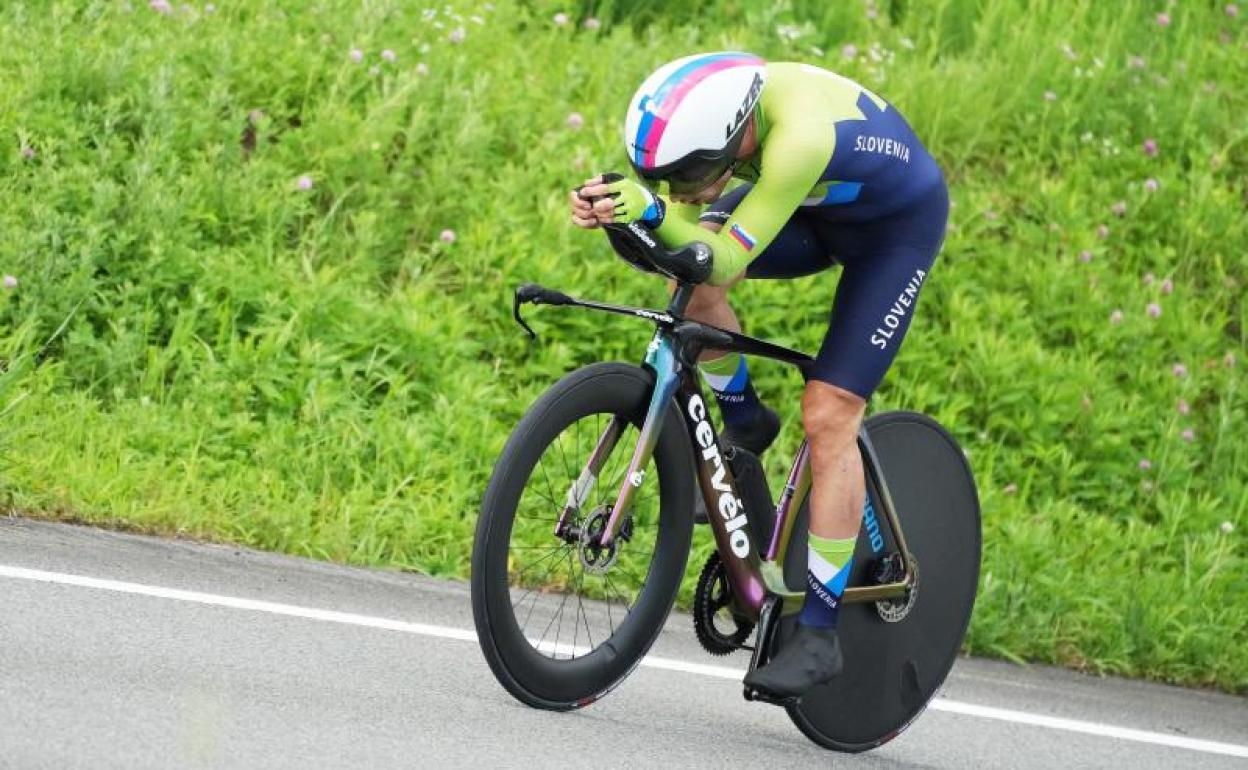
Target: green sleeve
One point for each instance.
(793, 158)
(688, 212)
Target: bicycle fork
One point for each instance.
(728, 518)
(662, 360)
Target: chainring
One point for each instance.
(712, 605)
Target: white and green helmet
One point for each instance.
(686, 121)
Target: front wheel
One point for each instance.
(561, 621)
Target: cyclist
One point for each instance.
(833, 175)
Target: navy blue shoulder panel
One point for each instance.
(881, 162)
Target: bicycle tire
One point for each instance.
(893, 669)
(532, 678)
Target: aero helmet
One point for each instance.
(686, 121)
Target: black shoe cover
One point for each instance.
(812, 656)
(757, 435)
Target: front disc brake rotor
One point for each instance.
(595, 558)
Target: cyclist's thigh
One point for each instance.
(796, 250)
(885, 265)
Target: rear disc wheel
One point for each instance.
(897, 654)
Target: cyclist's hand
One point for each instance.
(583, 210)
(593, 200)
(635, 203)
(622, 200)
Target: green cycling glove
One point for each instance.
(634, 202)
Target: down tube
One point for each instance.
(666, 378)
(724, 509)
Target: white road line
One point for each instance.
(651, 661)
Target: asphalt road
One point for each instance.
(124, 651)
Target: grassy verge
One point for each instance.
(262, 289)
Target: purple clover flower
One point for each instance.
(1149, 147)
(1154, 310)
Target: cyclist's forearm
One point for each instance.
(729, 257)
(688, 212)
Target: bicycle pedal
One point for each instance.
(758, 696)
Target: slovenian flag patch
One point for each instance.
(742, 237)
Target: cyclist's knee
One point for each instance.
(830, 415)
(705, 302)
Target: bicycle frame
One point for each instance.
(754, 570)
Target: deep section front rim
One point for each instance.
(566, 581)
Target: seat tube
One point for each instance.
(795, 491)
(661, 358)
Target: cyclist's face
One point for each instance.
(749, 144)
(708, 194)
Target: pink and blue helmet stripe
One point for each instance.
(659, 106)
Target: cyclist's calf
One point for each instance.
(831, 416)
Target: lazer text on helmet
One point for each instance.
(743, 112)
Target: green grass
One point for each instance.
(197, 345)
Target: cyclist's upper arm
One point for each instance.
(793, 159)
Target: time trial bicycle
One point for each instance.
(586, 526)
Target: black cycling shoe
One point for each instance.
(811, 657)
(756, 435)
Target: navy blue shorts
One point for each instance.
(884, 264)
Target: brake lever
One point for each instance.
(538, 295)
(523, 294)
